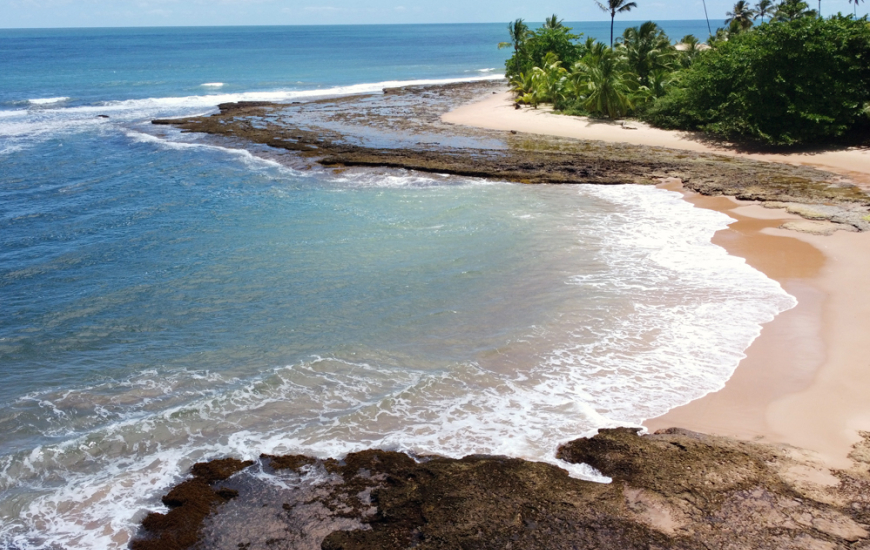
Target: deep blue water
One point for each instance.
(165, 300)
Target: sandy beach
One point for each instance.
(805, 380)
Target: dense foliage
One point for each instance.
(799, 81)
(590, 77)
(796, 78)
(532, 47)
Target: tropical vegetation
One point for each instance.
(794, 78)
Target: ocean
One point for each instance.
(166, 300)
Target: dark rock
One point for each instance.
(190, 503)
(289, 462)
(671, 490)
(219, 470)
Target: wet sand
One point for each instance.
(806, 378)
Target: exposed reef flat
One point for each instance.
(402, 129)
(673, 489)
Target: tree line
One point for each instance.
(778, 74)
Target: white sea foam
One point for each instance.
(403, 179)
(47, 100)
(51, 120)
(212, 85)
(688, 312)
(11, 148)
(249, 159)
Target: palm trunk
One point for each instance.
(612, 16)
(707, 17)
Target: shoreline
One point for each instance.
(804, 380)
(798, 384)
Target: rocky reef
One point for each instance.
(671, 490)
(402, 129)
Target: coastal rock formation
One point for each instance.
(673, 489)
(189, 503)
(402, 129)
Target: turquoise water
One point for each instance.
(166, 300)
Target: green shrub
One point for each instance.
(783, 83)
(534, 46)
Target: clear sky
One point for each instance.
(131, 13)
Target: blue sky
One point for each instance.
(125, 13)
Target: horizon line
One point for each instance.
(325, 24)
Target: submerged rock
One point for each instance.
(673, 489)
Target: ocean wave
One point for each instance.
(405, 179)
(286, 95)
(47, 100)
(251, 160)
(9, 149)
(52, 118)
(685, 291)
(212, 85)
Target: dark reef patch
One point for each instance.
(189, 504)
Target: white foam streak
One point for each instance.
(49, 121)
(403, 179)
(212, 85)
(47, 100)
(244, 155)
(282, 95)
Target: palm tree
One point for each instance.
(659, 82)
(789, 10)
(607, 88)
(614, 7)
(707, 17)
(518, 31)
(550, 79)
(718, 38)
(854, 7)
(762, 8)
(742, 14)
(553, 22)
(689, 48)
(646, 49)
